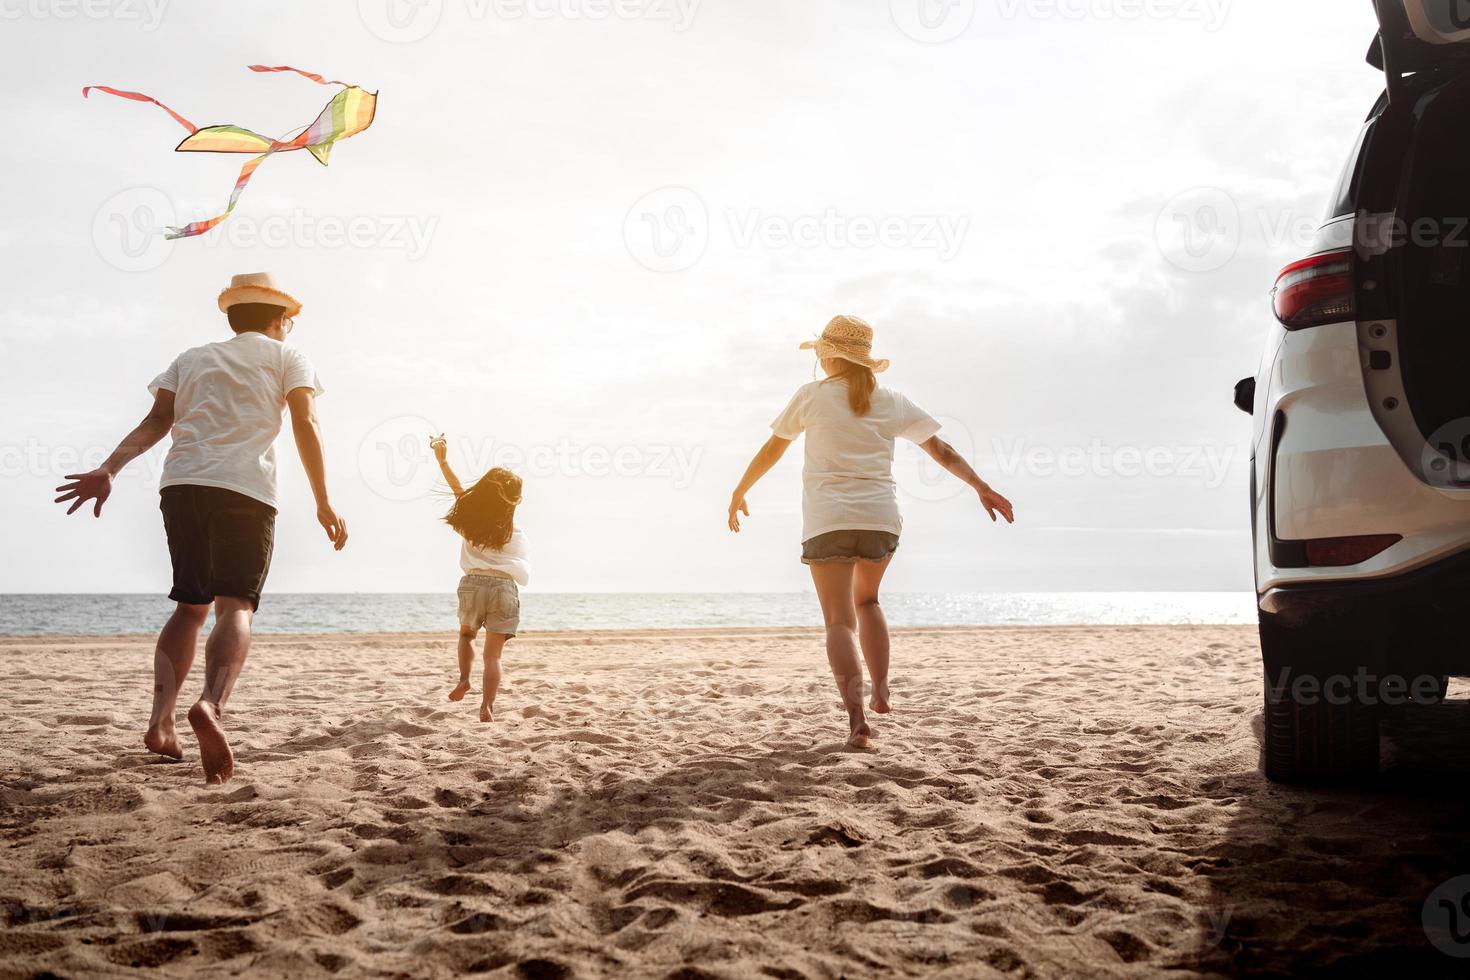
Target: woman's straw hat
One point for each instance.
(257, 287)
(850, 339)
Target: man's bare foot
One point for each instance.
(485, 713)
(460, 690)
(214, 748)
(879, 700)
(861, 737)
(162, 740)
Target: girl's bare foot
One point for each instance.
(460, 690)
(485, 714)
(162, 740)
(879, 701)
(214, 748)
(861, 737)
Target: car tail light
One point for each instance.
(1341, 552)
(1315, 291)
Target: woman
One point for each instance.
(850, 513)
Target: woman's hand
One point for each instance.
(737, 507)
(994, 503)
(440, 446)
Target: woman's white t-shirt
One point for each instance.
(229, 398)
(847, 482)
(513, 560)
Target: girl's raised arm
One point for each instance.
(440, 446)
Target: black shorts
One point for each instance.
(220, 542)
(849, 547)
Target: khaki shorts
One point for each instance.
(490, 603)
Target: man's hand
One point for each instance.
(994, 502)
(96, 485)
(737, 507)
(335, 526)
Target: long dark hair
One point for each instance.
(861, 383)
(484, 515)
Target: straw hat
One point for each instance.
(850, 339)
(257, 287)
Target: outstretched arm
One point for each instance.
(308, 433)
(945, 455)
(768, 456)
(97, 485)
(440, 445)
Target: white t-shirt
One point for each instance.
(847, 482)
(514, 559)
(229, 398)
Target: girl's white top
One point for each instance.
(514, 559)
(847, 482)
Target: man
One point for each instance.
(224, 403)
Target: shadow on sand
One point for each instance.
(1335, 882)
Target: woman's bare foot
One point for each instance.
(162, 740)
(214, 748)
(861, 737)
(485, 713)
(879, 700)
(460, 690)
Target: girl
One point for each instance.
(850, 513)
(495, 562)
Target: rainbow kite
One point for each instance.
(348, 114)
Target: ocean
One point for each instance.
(107, 615)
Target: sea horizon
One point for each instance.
(127, 614)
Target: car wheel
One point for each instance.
(1321, 718)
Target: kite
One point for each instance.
(349, 113)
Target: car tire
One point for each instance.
(1315, 739)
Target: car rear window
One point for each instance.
(1344, 199)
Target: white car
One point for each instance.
(1361, 451)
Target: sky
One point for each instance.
(585, 238)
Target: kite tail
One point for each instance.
(200, 227)
(140, 97)
(304, 74)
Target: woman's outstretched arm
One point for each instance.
(945, 455)
(769, 455)
(441, 452)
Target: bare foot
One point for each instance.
(214, 748)
(485, 713)
(861, 737)
(460, 690)
(162, 740)
(879, 700)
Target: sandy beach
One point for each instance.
(1043, 803)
